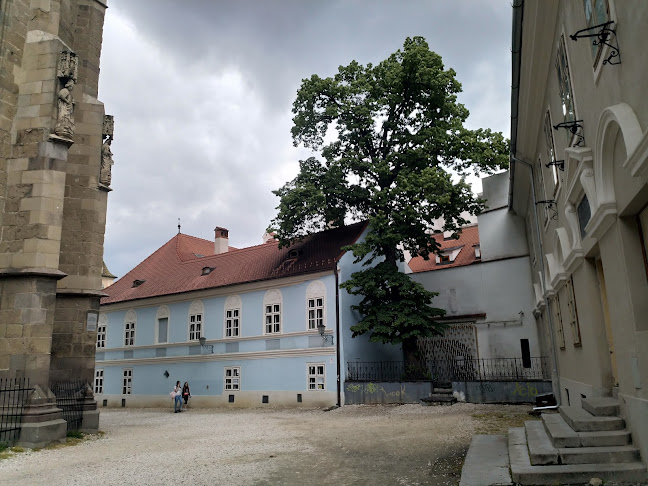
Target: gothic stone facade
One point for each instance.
(52, 204)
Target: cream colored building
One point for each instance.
(579, 138)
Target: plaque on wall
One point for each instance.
(91, 321)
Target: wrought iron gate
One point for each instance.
(13, 395)
(70, 396)
(452, 353)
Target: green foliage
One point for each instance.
(388, 136)
(75, 434)
(3, 447)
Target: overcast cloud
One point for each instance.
(202, 92)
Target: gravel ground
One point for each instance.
(354, 445)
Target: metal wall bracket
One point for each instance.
(558, 163)
(603, 34)
(575, 128)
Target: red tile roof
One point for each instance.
(175, 267)
(468, 239)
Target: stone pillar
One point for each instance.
(90, 423)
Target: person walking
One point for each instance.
(185, 394)
(177, 397)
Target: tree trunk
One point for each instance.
(415, 368)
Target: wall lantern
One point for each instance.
(166, 374)
(321, 328)
(208, 347)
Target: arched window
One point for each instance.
(196, 319)
(162, 325)
(315, 304)
(129, 328)
(232, 317)
(272, 308)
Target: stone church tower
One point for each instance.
(55, 163)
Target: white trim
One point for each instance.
(127, 381)
(102, 324)
(278, 353)
(316, 376)
(196, 309)
(130, 318)
(162, 313)
(315, 290)
(98, 375)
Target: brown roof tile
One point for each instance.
(175, 267)
(468, 239)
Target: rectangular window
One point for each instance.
(98, 382)
(127, 382)
(557, 317)
(315, 312)
(101, 336)
(129, 334)
(551, 150)
(564, 84)
(163, 330)
(233, 378)
(597, 12)
(526, 353)
(195, 327)
(272, 318)
(232, 322)
(542, 194)
(573, 314)
(316, 377)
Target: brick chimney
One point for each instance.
(221, 240)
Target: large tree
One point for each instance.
(394, 151)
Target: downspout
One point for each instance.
(516, 52)
(337, 333)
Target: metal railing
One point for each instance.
(70, 397)
(458, 369)
(13, 395)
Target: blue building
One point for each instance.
(244, 327)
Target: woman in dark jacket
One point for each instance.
(186, 394)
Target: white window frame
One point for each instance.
(130, 328)
(550, 146)
(565, 86)
(102, 326)
(127, 381)
(272, 312)
(315, 295)
(232, 374)
(162, 313)
(196, 321)
(316, 376)
(232, 317)
(573, 313)
(555, 304)
(99, 380)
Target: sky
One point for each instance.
(202, 93)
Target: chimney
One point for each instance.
(221, 240)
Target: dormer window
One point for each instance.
(207, 270)
(448, 255)
(137, 283)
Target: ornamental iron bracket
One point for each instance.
(551, 203)
(603, 34)
(575, 128)
(558, 163)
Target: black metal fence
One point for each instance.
(13, 395)
(458, 369)
(70, 396)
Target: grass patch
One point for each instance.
(17, 449)
(75, 434)
(499, 422)
(3, 447)
(5, 455)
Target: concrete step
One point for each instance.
(559, 431)
(439, 399)
(523, 472)
(601, 406)
(562, 435)
(541, 450)
(599, 455)
(442, 391)
(583, 421)
(487, 462)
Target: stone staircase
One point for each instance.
(574, 446)
(441, 395)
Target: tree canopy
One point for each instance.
(391, 139)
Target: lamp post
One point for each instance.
(321, 328)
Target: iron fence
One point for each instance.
(458, 369)
(70, 396)
(13, 395)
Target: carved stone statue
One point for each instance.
(105, 175)
(65, 119)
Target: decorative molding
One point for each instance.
(131, 316)
(316, 289)
(272, 296)
(637, 162)
(601, 220)
(103, 320)
(162, 312)
(278, 353)
(233, 302)
(197, 307)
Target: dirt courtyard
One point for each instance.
(354, 445)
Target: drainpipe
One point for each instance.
(337, 333)
(543, 282)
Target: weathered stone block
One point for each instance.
(27, 301)
(14, 330)
(31, 88)
(34, 316)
